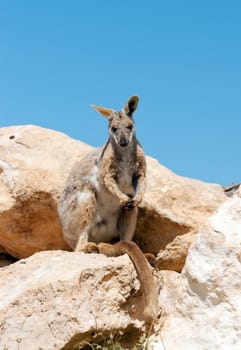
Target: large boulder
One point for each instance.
(64, 300)
(201, 306)
(34, 166)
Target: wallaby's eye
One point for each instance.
(129, 127)
(113, 129)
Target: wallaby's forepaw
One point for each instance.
(129, 205)
(132, 203)
(137, 200)
(127, 202)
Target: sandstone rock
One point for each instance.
(174, 255)
(34, 165)
(173, 210)
(58, 300)
(202, 306)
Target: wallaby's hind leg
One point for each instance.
(80, 211)
(127, 223)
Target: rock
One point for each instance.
(174, 255)
(231, 190)
(6, 259)
(34, 166)
(201, 306)
(173, 210)
(61, 300)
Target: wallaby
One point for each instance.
(100, 200)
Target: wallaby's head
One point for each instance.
(121, 124)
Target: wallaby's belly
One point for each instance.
(105, 226)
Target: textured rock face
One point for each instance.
(173, 210)
(34, 165)
(202, 306)
(58, 300)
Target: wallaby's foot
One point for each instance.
(120, 249)
(115, 250)
(108, 249)
(151, 259)
(90, 247)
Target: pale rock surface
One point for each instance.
(34, 166)
(57, 300)
(173, 210)
(202, 305)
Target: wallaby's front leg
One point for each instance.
(111, 185)
(86, 215)
(140, 186)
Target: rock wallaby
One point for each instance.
(99, 203)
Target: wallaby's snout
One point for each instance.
(123, 141)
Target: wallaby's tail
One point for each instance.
(142, 267)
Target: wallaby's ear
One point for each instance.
(131, 105)
(106, 112)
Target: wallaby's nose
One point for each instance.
(123, 142)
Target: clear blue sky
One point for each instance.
(183, 58)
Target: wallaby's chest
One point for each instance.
(123, 174)
(117, 169)
(124, 178)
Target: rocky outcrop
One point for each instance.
(64, 300)
(201, 306)
(34, 165)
